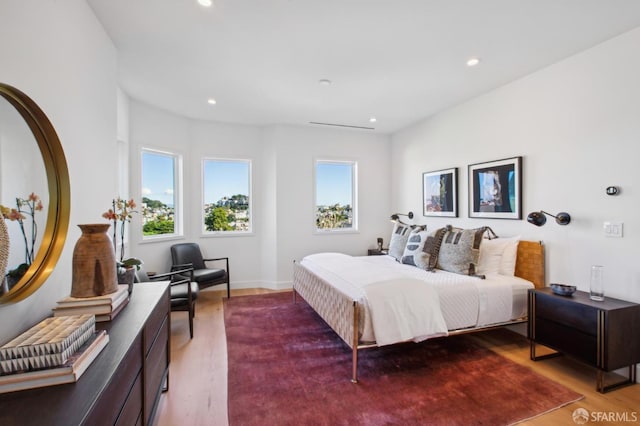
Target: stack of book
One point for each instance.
(57, 350)
(105, 308)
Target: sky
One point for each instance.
(333, 183)
(158, 177)
(223, 178)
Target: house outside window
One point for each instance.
(226, 185)
(335, 196)
(161, 195)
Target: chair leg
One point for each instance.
(190, 313)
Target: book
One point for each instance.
(106, 299)
(70, 372)
(112, 315)
(90, 309)
(44, 360)
(47, 344)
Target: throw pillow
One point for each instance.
(509, 256)
(490, 256)
(422, 249)
(398, 240)
(460, 250)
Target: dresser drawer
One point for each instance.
(132, 410)
(567, 340)
(108, 409)
(155, 321)
(563, 311)
(156, 365)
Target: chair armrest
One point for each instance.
(181, 266)
(216, 258)
(184, 270)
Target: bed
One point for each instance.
(325, 280)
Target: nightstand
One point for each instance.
(376, 252)
(604, 334)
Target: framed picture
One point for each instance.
(495, 189)
(440, 193)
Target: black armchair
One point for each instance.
(183, 292)
(189, 254)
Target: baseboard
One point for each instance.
(243, 285)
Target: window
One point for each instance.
(226, 196)
(161, 172)
(335, 196)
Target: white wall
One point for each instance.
(282, 185)
(58, 54)
(297, 148)
(577, 125)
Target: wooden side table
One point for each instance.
(604, 334)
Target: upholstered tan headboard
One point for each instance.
(530, 262)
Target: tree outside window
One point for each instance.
(227, 196)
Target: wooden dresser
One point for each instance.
(123, 384)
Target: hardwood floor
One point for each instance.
(198, 373)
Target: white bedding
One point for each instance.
(462, 301)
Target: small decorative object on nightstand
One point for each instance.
(377, 252)
(602, 334)
(596, 289)
(562, 289)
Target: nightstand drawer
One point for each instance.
(566, 339)
(563, 311)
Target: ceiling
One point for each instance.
(397, 60)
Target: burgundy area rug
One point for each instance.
(287, 367)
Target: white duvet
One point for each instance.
(403, 302)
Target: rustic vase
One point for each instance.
(94, 263)
(4, 255)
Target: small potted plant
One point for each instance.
(120, 214)
(25, 208)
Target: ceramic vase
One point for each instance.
(127, 276)
(94, 263)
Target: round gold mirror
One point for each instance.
(31, 158)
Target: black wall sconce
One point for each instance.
(539, 218)
(396, 216)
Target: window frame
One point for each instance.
(354, 196)
(232, 233)
(178, 230)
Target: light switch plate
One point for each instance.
(613, 229)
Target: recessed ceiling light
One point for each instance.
(472, 62)
(324, 82)
(211, 101)
(205, 3)
(373, 120)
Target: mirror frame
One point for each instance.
(55, 163)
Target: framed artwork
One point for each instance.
(440, 193)
(495, 189)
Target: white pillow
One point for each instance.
(509, 256)
(498, 256)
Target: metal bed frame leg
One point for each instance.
(354, 345)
